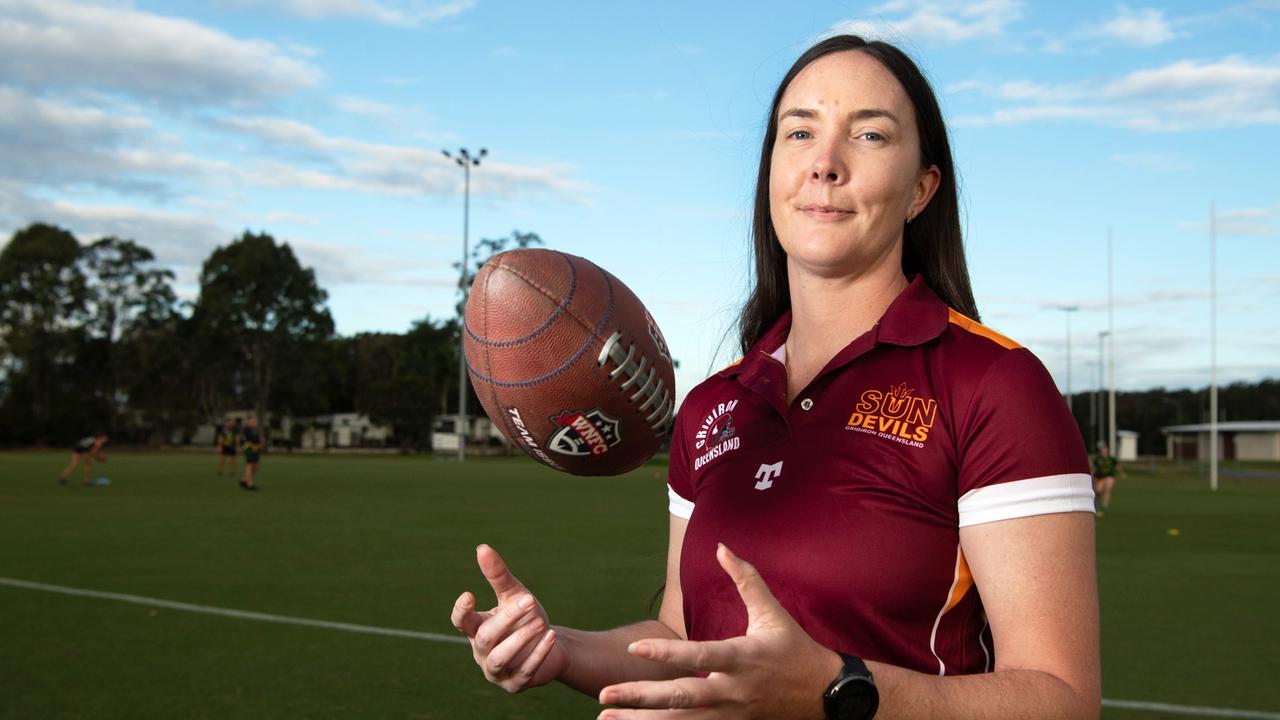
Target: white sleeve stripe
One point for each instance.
(679, 507)
(1072, 492)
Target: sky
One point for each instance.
(629, 133)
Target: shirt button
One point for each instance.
(806, 403)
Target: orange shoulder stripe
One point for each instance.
(976, 328)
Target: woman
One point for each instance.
(1105, 470)
(228, 446)
(84, 452)
(893, 457)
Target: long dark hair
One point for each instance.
(932, 242)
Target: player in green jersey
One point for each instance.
(251, 441)
(1105, 469)
(228, 446)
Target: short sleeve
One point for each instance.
(1021, 453)
(679, 478)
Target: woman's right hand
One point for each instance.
(513, 643)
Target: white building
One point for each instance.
(1237, 440)
(481, 433)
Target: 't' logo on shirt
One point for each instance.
(766, 474)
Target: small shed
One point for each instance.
(1237, 440)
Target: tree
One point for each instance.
(408, 378)
(128, 298)
(258, 309)
(42, 302)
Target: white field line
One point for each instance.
(225, 612)
(1187, 710)
(436, 637)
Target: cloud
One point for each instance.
(177, 239)
(182, 241)
(56, 144)
(404, 13)
(1185, 95)
(1146, 27)
(50, 45)
(947, 21)
(1151, 162)
(1247, 222)
(366, 107)
(350, 164)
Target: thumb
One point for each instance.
(762, 606)
(504, 584)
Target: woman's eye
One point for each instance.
(799, 135)
(872, 136)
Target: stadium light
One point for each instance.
(466, 161)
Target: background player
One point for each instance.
(251, 441)
(84, 452)
(228, 446)
(1105, 469)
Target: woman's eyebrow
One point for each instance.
(863, 114)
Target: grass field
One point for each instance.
(1188, 619)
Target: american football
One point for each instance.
(568, 363)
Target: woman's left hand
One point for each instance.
(774, 671)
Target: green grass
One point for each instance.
(388, 541)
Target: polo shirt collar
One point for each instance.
(915, 317)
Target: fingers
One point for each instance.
(500, 624)
(760, 602)
(526, 660)
(713, 656)
(679, 694)
(507, 655)
(464, 616)
(495, 571)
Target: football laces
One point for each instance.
(651, 392)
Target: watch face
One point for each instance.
(855, 699)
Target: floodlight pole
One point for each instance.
(1111, 349)
(1101, 383)
(1213, 347)
(1068, 309)
(466, 161)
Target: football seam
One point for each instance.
(594, 335)
(561, 308)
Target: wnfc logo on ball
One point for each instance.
(584, 433)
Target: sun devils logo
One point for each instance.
(896, 415)
(585, 433)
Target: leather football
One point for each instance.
(568, 363)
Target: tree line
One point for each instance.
(93, 337)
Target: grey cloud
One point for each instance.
(55, 144)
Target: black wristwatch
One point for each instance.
(852, 695)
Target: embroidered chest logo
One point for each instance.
(717, 435)
(584, 433)
(896, 414)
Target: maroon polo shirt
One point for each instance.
(849, 500)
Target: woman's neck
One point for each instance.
(828, 313)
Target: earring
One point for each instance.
(910, 218)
